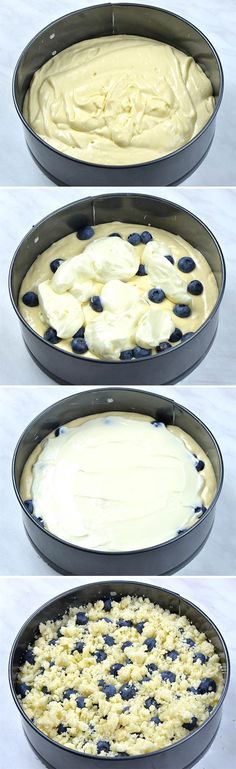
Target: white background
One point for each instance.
(20, 209)
(22, 19)
(19, 598)
(215, 406)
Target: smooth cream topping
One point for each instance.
(116, 483)
(119, 99)
(107, 266)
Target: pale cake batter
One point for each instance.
(117, 482)
(116, 291)
(121, 676)
(119, 100)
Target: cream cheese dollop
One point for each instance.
(63, 312)
(107, 334)
(162, 273)
(118, 297)
(102, 260)
(154, 327)
(116, 483)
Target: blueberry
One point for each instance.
(55, 264)
(29, 506)
(202, 509)
(134, 239)
(141, 270)
(151, 667)
(151, 702)
(51, 336)
(53, 642)
(124, 623)
(79, 346)
(45, 690)
(206, 686)
(80, 702)
(176, 335)
(156, 720)
(81, 618)
(22, 690)
(200, 465)
(192, 690)
(109, 640)
(156, 295)
(187, 336)
(51, 664)
(96, 304)
(163, 346)
(126, 355)
(146, 237)
(170, 258)
(150, 643)
(167, 675)
(78, 647)
(67, 693)
(115, 668)
(127, 691)
(85, 233)
(182, 310)
(29, 656)
(57, 432)
(189, 642)
(186, 264)
(115, 235)
(61, 729)
(189, 725)
(201, 657)
(109, 690)
(103, 746)
(172, 654)
(107, 604)
(100, 655)
(30, 299)
(140, 352)
(156, 424)
(107, 619)
(139, 627)
(145, 679)
(126, 644)
(80, 333)
(195, 287)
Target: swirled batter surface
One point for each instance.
(121, 676)
(119, 100)
(118, 290)
(118, 482)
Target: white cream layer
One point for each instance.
(116, 483)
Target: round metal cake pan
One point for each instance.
(181, 755)
(163, 368)
(165, 558)
(118, 19)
